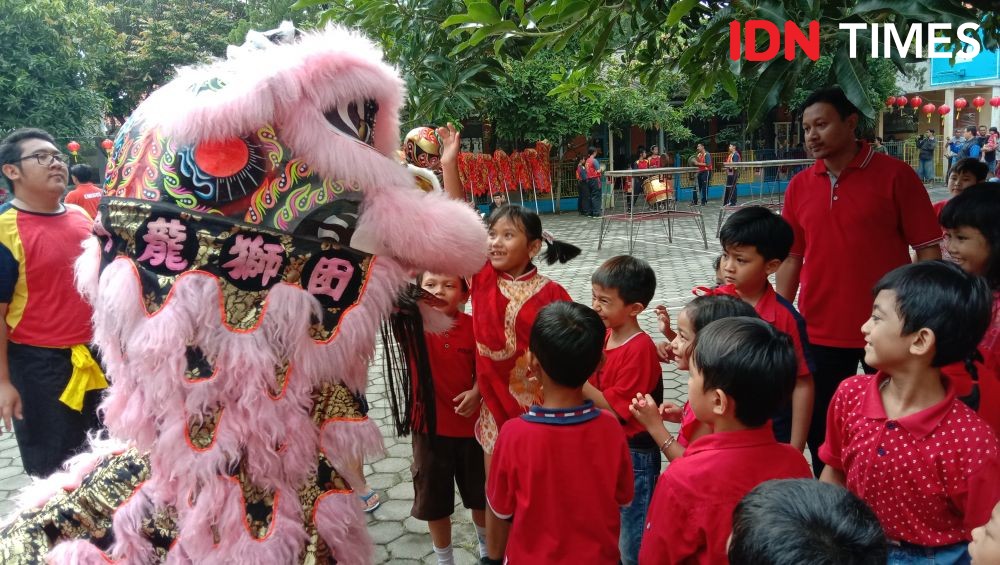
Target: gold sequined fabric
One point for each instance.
(85, 513)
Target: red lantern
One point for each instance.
(995, 101)
(890, 102)
(107, 144)
(943, 109)
(915, 103)
(929, 109)
(960, 104)
(73, 147)
(979, 102)
(901, 102)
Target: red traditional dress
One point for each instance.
(503, 310)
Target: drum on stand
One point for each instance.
(656, 191)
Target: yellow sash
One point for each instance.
(87, 376)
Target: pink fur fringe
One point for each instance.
(74, 470)
(435, 322)
(341, 524)
(77, 552)
(347, 443)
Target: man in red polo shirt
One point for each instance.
(856, 214)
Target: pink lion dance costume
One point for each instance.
(236, 313)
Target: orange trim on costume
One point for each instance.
(170, 294)
(324, 495)
(215, 434)
(274, 512)
(284, 386)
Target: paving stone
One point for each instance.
(400, 450)
(410, 546)
(381, 554)
(384, 532)
(415, 526)
(10, 471)
(382, 481)
(393, 510)
(15, 482)
(390, 465)
(402, 491)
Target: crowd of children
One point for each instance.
(570, 431)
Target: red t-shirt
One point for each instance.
(655, 161)
(452, 357)
(501, 367)
(37, 254)
(781, 314)
(87, 196)
(593, 171)
(690, 516)
(630, 368)
(930, 477)
(562, 475)
(850, 235)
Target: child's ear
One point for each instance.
(771, 266)
(635, 309)
(534, 248)
(721, 403)
(923, 342)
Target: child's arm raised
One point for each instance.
(451, 143)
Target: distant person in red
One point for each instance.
(86, 194)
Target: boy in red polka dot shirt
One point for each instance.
(900, 439)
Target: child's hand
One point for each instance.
(670, 412)
(451, 143)
(467, 403)
(645, 411)
(665, 352)
(663, 317)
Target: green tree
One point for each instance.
(693, 37)
(48, 67)
(521, 109)
(154, 37)
(441, 86)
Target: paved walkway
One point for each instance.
(400, 538)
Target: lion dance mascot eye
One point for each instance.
(256, 229)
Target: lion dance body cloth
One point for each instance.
(255, 230)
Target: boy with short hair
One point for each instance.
(755, 241)
(796, 521)
(741, 370)
(965, 173)
(560, 472)
(622, 288)
(900, 439)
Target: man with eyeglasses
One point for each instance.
(49, 383)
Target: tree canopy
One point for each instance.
(692, 37)
(49, 70)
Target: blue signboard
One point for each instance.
(984, 66)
